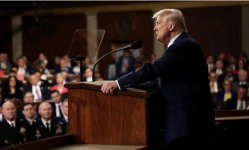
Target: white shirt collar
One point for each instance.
(45, 123)
(29, 119)
(66, 118)
(10, 122)
(173, 39)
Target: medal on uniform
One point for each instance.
(61, 123)
(37, 135)
(22, 130)
(58, 130)
(6, 141)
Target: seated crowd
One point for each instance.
(228, 79)
(34, 98)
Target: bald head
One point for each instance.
(9, 110)
(45, 110)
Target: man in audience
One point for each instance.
(228, 74)
(218, 67)
(210, 62)
(240, 102)
(40, 92)
(45, 126)
(12, 131)
(4, 64)
(57, 105)
(21, 70)
(43, 59)
(125, 64)
(233, 62)
(69, 63)
(28, 110)
(65, 74)
(221, 57)
(28, 98)
(88, 74)
(40, 81)
(214, 85)
(63, 67)
(242, 76)
(64, 118)
(110, 70)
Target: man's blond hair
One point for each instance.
(174, 16)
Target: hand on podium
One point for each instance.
(109, 87)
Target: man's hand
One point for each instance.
(109, 87)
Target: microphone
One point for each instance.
(134, 45)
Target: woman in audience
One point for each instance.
(60, 79)
(240, 65)
(11, 91)
(227, 93)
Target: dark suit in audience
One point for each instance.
(54, 110)
(231, 104)
(221, 94)
(68, 70)
(44, 91)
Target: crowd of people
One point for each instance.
(228, 78)
(44, 110)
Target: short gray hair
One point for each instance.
(175, 16)
(243, 71)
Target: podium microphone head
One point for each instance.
(136, 45)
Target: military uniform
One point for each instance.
(62, 122)
(41, 131)
(11, 136)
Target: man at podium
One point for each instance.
(183, 79)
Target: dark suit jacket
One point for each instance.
(54, 111)
(223, 76)
(231, 104)
(131, 63)
(186, 90)
(44, 91)
(220, 95)
(8, 66)
(50, 65)
(20, 84)
(69, 70)
(236, 85)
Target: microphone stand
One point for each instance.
(123, 48)
(80, 59)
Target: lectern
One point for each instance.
(131, 117)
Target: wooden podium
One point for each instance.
(130, 117)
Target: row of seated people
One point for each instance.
(30, 122)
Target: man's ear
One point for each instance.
(172, 27)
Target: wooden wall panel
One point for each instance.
(53, 37)
(217, 29)
(143, 30)
(6, 37)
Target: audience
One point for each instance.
(11, 91)
(125, 64)
(240, 66)
(215, 87)
(28, 98)
(40, 92)
(43, 59)
(88, 74)
(56, 106)
(63, 67)
(227, 93)
(218, 68)
(242, 76)
(228, 75)
(239, 103)
(210, 62)
(64, 117)
(110, 70)
(29, 113)
(4, 64)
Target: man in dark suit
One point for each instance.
(189, 114)
(125, 64)
(41, 81)
(218, 68)
(210, 62)
(45, 127)
(21, 69)
(4, 64)
(63, 67)
(215, 86)
(228, 74)
(12, 131)
(40, 92)
(43, 59)
(239, 103)
(242, 76)
(57, 105)
(63, 120)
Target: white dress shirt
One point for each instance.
(218, 71)
(170, 43)
(243, 103)
(66, 118)
(34, 92)
(215, 87)
(10, 122)
(45, 123)
(57, 105)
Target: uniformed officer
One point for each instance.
(45, 127)
(63, 120)
(12, 131)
